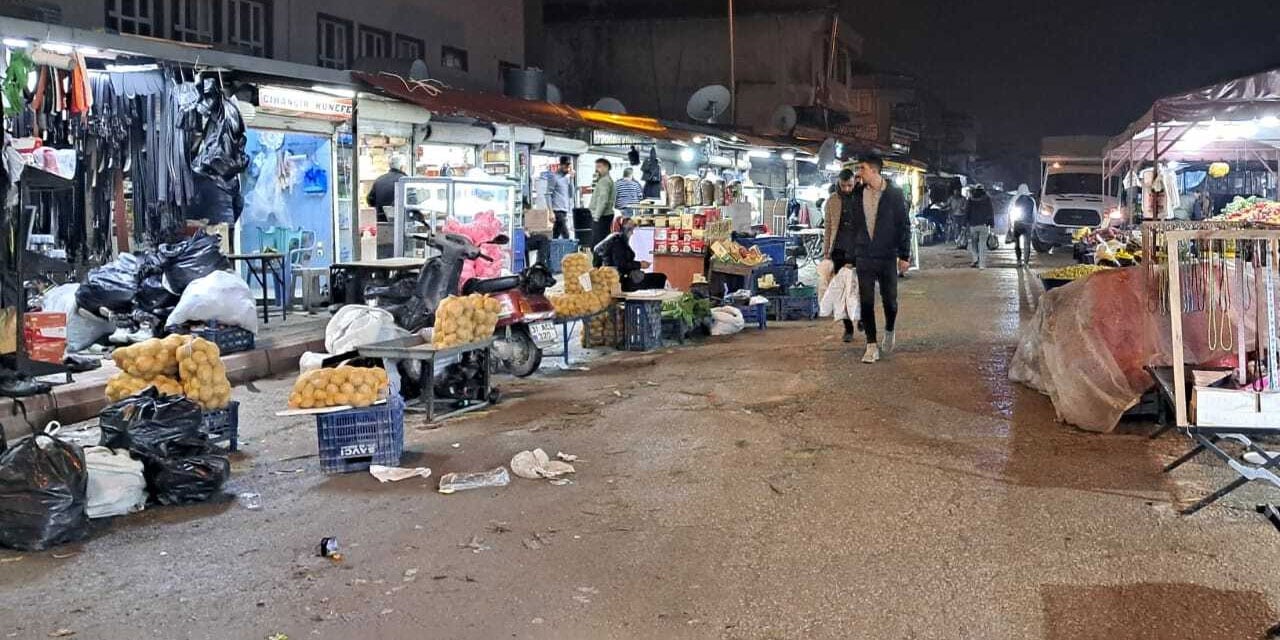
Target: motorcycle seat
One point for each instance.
(491, 285)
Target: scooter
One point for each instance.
(413, 305)
(525, 324)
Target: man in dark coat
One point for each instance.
(615, 251)
(982, 216)
(880, 248)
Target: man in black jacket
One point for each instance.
(382, 195)
(881, 247)
(615, 251)
(982, 216)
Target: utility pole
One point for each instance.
(733, 72)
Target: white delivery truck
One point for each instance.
(1070, 190)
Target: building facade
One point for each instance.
(465, 44)
(653, 65)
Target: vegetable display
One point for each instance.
(203, 376)
(465, 319)
(176, 365)
(343, 386)
(586, 291)
(730, 252)
(1073, 272)
(1252, 209)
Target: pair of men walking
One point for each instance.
(868, 229)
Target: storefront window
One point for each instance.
(444, 160)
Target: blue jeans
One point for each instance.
(978, 244)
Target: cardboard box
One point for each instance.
(1212, 407)
(45, 334)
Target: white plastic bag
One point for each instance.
(116, 484)
(220, 296)
(826, 270)
(840, 302)
(310, 361)
(726, 321)
(356, 325)
(82, 329)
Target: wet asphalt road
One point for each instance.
(760, 486)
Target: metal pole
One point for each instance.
(733, 71)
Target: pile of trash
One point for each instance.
(151, 449)
(131, 298)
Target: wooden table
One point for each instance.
(268, 262)
(362, 270)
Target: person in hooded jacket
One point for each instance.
(1022, 214)
(981, 216)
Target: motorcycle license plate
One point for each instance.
(544, 334)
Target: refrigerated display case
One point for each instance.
(424, 204)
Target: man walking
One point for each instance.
(881, 248)
(1022, 212)
(982, 216)
(556, 190)
(603, 195)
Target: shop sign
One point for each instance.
(293, 102)
(615, 139)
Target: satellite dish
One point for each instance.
(784, 118)
(553, 94)
(827, 153)
(708, 103)
(612, 105)
(418, 70)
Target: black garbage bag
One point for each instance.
(44, 486)
(191, 259)
(111, 286)
(152, 296)
(192, 473)
(149, 423)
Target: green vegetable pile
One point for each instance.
(688, 308)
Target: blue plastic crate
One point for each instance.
(643, 319)
(560, 247)
(755, 314)
(229, 339)
(223, 425)
(795, 308)
(518, 243)
(773, 246)
(352, 440)
(786, 275)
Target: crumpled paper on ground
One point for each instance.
(537, 464)
(396, 474)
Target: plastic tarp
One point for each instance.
(1089, 341)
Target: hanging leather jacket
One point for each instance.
(219, 154)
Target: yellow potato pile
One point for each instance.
(343, 386)
(601, 331)
(122, 385)
(203, 376)
(573, 267)
(150, 358)
(577, 301)
(464, 319)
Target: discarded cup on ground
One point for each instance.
(249, 500)
(328, 548)
(451, 482)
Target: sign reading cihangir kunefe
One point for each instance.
(295, 102)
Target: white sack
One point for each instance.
(840, 302)
(356, 325)
(726, 321)
(82, 329)
(220, 297)
(826, 270)
(116, 484)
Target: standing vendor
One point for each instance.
(383, 193)
(615, 251)
(603, 195)
(556, 192)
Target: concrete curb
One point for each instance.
(82, 400)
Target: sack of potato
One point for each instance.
(464, 319)
(602, 331)
(574, 266)
(606, 279)
(123, 384)
(343, 386)
(203, 376)
(150, 358)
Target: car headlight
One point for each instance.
(1045, 213)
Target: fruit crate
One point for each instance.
(786, 275)
(353, 439)
(229, 339)
(754, 314)
(643, 325)
(794, 308)
(223, 425)
(560, 247)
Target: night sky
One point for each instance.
(1032, 68)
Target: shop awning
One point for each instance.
(1237, 116)
(505, 110)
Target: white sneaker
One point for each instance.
(120, 336)
(890, 342)
(872, 355)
